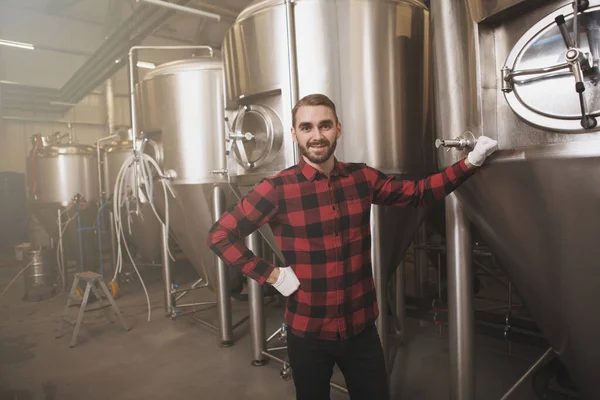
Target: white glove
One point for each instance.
(287, 282)
(484, 147)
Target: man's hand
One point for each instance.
(286, 282)
(273, 277)
(484, 147)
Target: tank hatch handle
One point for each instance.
(467, 141)
(238, 139)
(577, 62)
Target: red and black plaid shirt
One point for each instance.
(322, 225)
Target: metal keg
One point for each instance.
(40, 276)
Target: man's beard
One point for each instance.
(322, 157)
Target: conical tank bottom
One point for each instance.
(145, 234)
(541, 220)
(190, 219)
(47, 215)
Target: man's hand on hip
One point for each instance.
(284, 280)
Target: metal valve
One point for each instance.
(461, 142)
(286, 371)
(283, 333)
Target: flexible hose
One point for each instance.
(137, 165)
(15, 278)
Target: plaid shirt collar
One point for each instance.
(311, 173)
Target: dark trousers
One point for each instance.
(359, 358)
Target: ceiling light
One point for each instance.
(147, 65)
(16, 44)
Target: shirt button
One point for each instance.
(337, 234)
(333, 207)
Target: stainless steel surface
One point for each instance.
(386, 112)
(380, 266)
(181, 107)
(64, 171)
(41, 274)
(256, 304)
(400, 301)
(483, 9)
(534, 202)
(530, 371)
(189, 10)
(461, 323)
(421, 264)
(166, 270)
(222, 284)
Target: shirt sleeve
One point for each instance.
(226, 237)
(389, 191)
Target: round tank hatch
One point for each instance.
(257, 136)
(57, 150)
(551, 76)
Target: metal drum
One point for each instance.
(181, 108)
(40, 277)
(508, 73)
(371, 57)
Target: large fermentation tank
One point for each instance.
(370, 57)
(65, 178)
(145, 227)
(536, 200)
(181, 108)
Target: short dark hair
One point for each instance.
(315, 99)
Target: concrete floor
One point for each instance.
(181, 358)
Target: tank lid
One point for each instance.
(259, 5)
(192, 64)
(123, 145)
(69, 149)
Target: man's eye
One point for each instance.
(305, 128)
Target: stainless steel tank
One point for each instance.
(40, 277)
(181, 107)
(65, 177)
(371, 57)
(145, 227)
(535, 201)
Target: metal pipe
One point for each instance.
(99, 163)
(400, 297)
(379, 273)
(292, 60)
(204, 303)
(49, 121)
(338, 387)
(530, 371)
(255, 302)
(110, 106)
(240, 322)
(208, 324)
(272, 357)
(62, 252)
(460, 302)
(183, 8)
(274, 335)
(222, 284)
(420, 260)
(166, 261)
(277, 348)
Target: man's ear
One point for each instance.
(339, 130)
(293, 131)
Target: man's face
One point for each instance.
(316, 132)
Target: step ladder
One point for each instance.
(97, 284)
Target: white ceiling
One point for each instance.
(66, 32)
